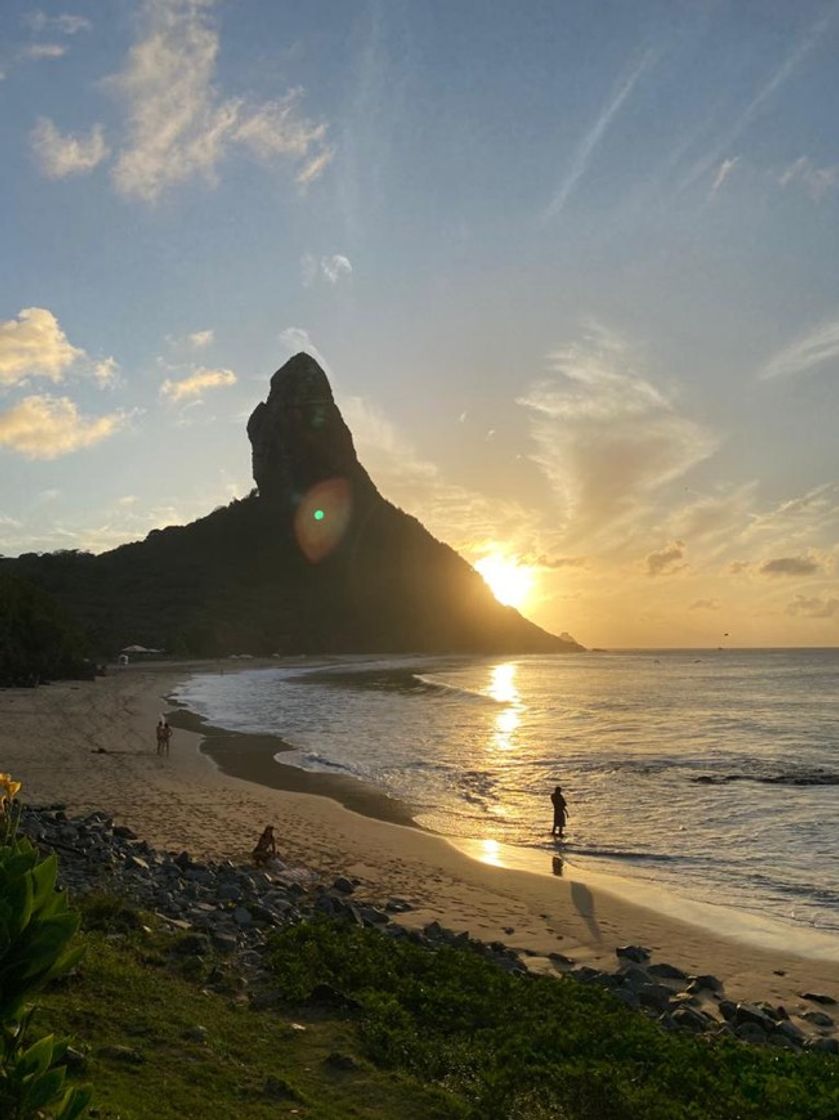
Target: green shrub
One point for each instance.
(36, 929)
(520, 1048)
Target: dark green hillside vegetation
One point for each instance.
(538, 1048)
(39, 640)
(315, 561)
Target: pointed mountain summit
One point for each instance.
(315, 560)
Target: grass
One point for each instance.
(128, 993)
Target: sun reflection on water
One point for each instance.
(502, 687)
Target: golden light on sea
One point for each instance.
(509, 581)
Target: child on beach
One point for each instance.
(266, 846)
(560, 812)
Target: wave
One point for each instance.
(784, 778)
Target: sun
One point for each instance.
(510, 582)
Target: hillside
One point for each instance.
(315, 560)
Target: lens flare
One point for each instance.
(510, 583)
(322, 518)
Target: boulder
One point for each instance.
(636, 953)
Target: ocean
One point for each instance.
(713, 775)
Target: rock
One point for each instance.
(628, 997)
(790, 1031)
(666, 972)
(746, 1013)
(371, 916)
(242, 916)
(75, 1061)
(823, 1045)
(635, 977)
(817, 1018)
(691, 1020)
(343, 885)
(705, 982)
(398, 906)
(124, 832)
(636, 953)
(278, 1089)
(752, 1033)
(196, 1034)
(229, 892)
(124, 1054)
(344, 1062)
(225, 943)
(137, 863)
(728, 1009)
(183, 861)
(265, 999)
(559, 958)
(817, 997)
(655, 996)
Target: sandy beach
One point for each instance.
(90, 745)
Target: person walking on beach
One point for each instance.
(266, 846)
(560, 812)
(164, 735)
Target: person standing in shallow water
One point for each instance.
(560, 812)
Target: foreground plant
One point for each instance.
(36, 929)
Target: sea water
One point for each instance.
(712, 774)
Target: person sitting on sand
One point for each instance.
(164, 735)
(266, 846)
(560, 812)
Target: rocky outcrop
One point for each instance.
(299, 438)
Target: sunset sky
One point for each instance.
(570, 266)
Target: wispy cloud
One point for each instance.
(813, 607)
(724, 170)
(814, 349)
(192, 388)
(64, 24)
(606, 438)
(199, 339)
(589, 143)
(804, 44)
(39, 52)
(179, 124)
(44, 427)
(330, 269)
(816, 181)
(61, 155)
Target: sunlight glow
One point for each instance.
(509, 582)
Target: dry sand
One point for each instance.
(50, 738)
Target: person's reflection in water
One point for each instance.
(556, 866)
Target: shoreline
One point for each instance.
(90, 745)
(250, 756)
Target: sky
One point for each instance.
(570, 268)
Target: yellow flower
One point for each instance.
(9, 788)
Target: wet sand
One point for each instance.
(90, 745)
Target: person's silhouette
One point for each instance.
(560, 812)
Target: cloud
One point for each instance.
(64, 24)
(587, 146)
(61, 155)
(295, 339)
(791, 566)
(105, 371)
(813, 607)
(314, 167)
(704, 605)
(552, 563)
(723, 171)
(814, 349)
(180, 125)
(738, 567)
(44, 427)
(804, 44)
(606, 438)
(40, 51)
(199, 339)
(330, 268)
(192, 387)
(666, 560)
(34, 345)
(817, 181)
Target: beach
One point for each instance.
(90, 745)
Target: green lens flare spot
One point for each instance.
(319, 515)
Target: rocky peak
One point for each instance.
(299, 438)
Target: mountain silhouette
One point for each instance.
(314, 560)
